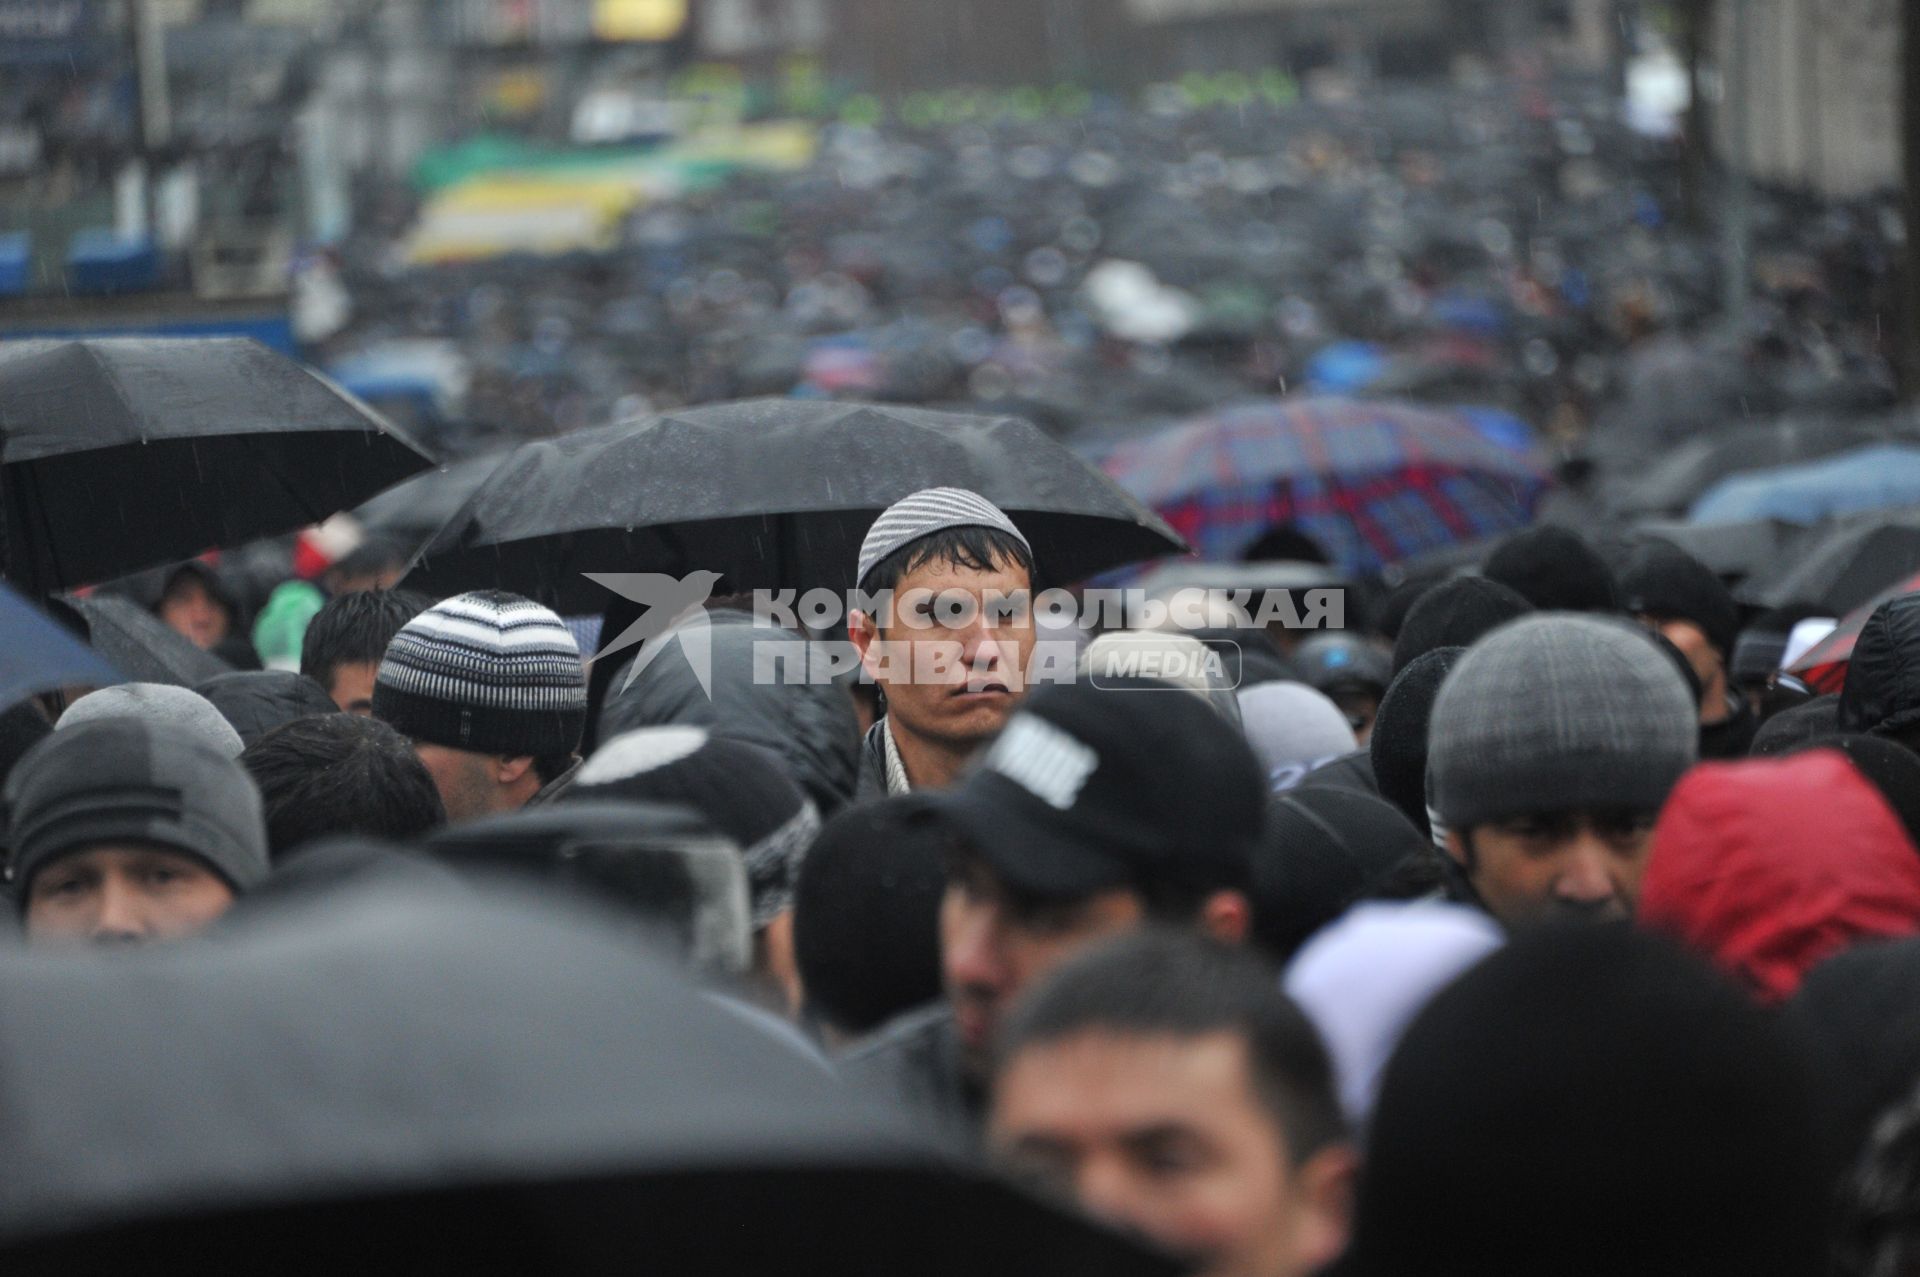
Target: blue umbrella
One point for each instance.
(39, 655)
(1881, 477)
(1346, 367)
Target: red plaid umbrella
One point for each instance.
(1823, 666)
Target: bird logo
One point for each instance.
(676, 611)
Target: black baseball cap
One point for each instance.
(1130, 783)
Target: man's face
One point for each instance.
(953, 673)
(468, 785)
(352, 687)
(1561, 866)
(123, 894)
(994, 945)
(1708, 665)
(190, 610)
(1166, 1136)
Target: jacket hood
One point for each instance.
(1882, 691)
(1770, 866)
(257, 701)
(809, 725)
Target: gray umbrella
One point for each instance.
(120, 453)
(771, 493)
(405, 1079)
(142, 646)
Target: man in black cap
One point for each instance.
(1678, 596)
(1075, 826)
(125, 832)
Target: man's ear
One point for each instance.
(1458, 850)
(1324, 1187)
(864, 629)
(509, 770)
(1227, 916)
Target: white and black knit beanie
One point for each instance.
(743, 789)
(487, 672)
(924, 513)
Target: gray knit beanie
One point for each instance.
(488, 672)
(124, 779)
(924, 513)
(1558, 712)
(159, 703)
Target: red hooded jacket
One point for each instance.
(1770, 866)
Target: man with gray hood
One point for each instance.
(1554, 742)
(124, 832)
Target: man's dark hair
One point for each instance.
(978, 549)
(1161, 983)
(340, 774)
(866, 914)
(354, 629)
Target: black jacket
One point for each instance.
(1882, 692)
(914, 1059)
(809, 725)
(873, 763)
(257, 701)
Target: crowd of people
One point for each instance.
(1559, 941)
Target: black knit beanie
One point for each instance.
(1324, 850)
(1455, 613)
(1554, 569)
(1398, 746)
(1795, 728)
(1666, 583)
(1582, 1066)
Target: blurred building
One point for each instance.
(1811, 92)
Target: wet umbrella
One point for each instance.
(1677, 479)
(41, 655)
(1841, 567)
(446, 1081)
(1880, 477)
(771, 493)
(1374, 483)
(1734, 550)
(120, 453)
(141, 645)
(414, 509)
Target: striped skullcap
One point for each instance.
(926, 512)
(487, 672)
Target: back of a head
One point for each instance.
(1398, 746)
(1855, 1012)
(257, 701)
(666, 867)
(1169, 984)
(742, 789)
(866, 914)
(1771, 866)
(333, 774)
(355, 629)
(162, 705)
(1591, 1101)
(123, 780)
(1292, 729)
(1325, 849)
(1559, 713)
(1555, 570)
(1456, 613)
(1881, 694)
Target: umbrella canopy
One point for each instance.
(1880, 477)
(1373, 483)
(416, 508)
(1735, 550)
(142, 646)
(41, 655)
(1677, 479)
(428, 1079)
(1840, 567)
(121, 453)
(1823, 666)
(770, 493)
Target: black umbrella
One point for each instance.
(120, 453)
(771, 493)
(416, 508)
(142, 646)
(1672, 483)
(415, 1079)
(1735, 550)
(1841, 566)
